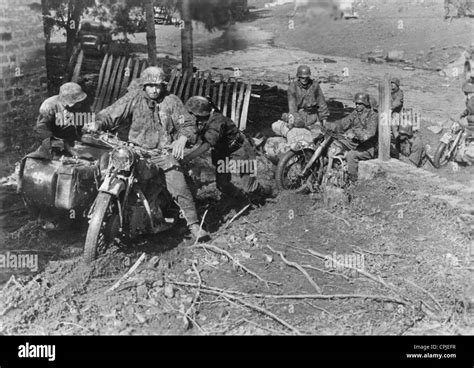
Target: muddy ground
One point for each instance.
(414, 247)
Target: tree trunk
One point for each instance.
(75, 8)
(187, 38)
(150, 33)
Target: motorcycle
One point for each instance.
(132, 199)
(309, 165)
(453, 146)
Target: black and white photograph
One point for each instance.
(237, 168)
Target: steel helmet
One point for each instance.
(71, 93)
(303, 71)
(395, 81)
(468, 87)
(152, 75)
(362, 98)
(405, 129)
(199, 106)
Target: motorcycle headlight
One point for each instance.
(121, 159)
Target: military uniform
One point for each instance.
(230, 144)
(308, 101)
(57, 124)
(412, 148)
(154, 124)
(364, 126)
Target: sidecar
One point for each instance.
(63, 185)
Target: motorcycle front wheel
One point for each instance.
(104, 226)
(288, 173)
(440, 159)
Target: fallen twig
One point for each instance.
(205, 289)
(196, 296)
(298, 266)
(237, 215)
(200, 227)
(235, 261)
(74, 324)
(380, 253)
(129, 272)
(328, 272)
(338, 218)
(361, 271)
(426, 292)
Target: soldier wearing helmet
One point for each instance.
(51, 122)
(230, 149)
(408, 146)
(360, 132)
(306, 102)
(152, 118)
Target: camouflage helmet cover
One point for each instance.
(468, 87)
(362, 98)
(152, 75)
(71, 93)
(199, 106)
(303, 71)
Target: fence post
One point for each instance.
(385, 119)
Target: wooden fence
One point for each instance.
(231, 95)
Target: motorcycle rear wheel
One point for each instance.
(295, 161)
(440, 159)
(104, 226)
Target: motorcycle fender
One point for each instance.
(113, 186)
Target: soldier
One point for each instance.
(306, 103)
(468, 113)
(360, 130)
(232, 152)
(152, 118)
(57, 124)
(408, 146)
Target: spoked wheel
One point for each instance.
(289, 172)
(104, 226)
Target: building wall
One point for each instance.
(23, 82)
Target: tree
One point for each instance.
(150, 32)
(65, 14)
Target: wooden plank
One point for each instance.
(172, 78)
(144, 66)
(201, 84)
(101, 81)
(245, 108)
(214, 93)
(103, 91)
(135, 69)
(118, 80)
(188, 89)
(179, 78)
(77, 68)
(195, 83)
(234, 101)
(208, 85)
(384, 118)
(108, 95)
(126, 77)
(183, 82)
(226, 96)
(239, 103)
(221, 91)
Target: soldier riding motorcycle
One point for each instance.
(132, 199)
